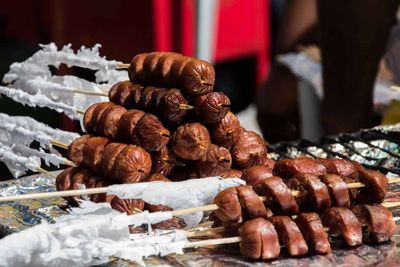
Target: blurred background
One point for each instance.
(265, 53)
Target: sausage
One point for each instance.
(78, 180)
(227, 131)
(88, 121)
(164, 161)
(75, 149)
(314, 193)
(148, 100)
(132, 165)
(125, 94)
(343, 222)
(128, 206)
(191, 141)
(289, 167)
(92, 152)
(63, 181)
(313, 232)
(194, 76)
(217, 162)
(212, 107)
(252, 206)
(174, 223)
(290, 235)
(229, 209)
(157, 177)
(376, 185)
(108, 122)
(378, 219)
(256, 174)
(232, 173)
(109, 155)
(98, 111)
(337, 166)
(102, 197)
(173, 106)
(151, 133)
(249, 150)
(127, 125)
(259, 240)
(338, 190)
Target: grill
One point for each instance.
(377, 148)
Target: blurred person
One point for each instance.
(352, 35)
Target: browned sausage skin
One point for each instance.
(259, 240)
(313, 232)
(378, 219)
(343, 222)
(290, 235)
(256, 174)
(194, 76)
(338, 190)
(249, 150)
(289, 167)
(314, 193)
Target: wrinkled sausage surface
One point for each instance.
(75, 149)
(256, 174)
(252, 206)
(337, 189)
(226, 132)
(289, 167)
(249, 150)
(229, 209)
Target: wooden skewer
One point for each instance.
(99, 190)
(123, 66)
(221, 241)
(87, 92)
(45, 172)
(58, 144)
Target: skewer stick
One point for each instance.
(45, 172)
(99, 190)
(80, 111)
(123, 66)
(87, 92)
(58, 144)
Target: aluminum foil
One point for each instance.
(18, 216)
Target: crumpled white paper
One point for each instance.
(177, 195)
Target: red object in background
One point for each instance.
(242, 30)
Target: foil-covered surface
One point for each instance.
(377, 147)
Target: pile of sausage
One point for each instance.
(166, 120)
(322, 184)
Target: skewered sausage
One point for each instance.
(289, 167)
(108, 121)
(108, 157)
(338, 190)
(164, 161)
(259, 240)
(289, 234)
(249, 150)
(92, 152)
(75, 149)
(338, 166)
(157, 177)
(88, 121)
(256, 174)
(165, 69)
(125, 94)
(217, 162)
(229, 209)
(226, 132)
(148, 100)
(314, 193)
(343, 222)
(252, 206)
(173, 106)
(278, 195)
(313, 232)
(212, 107)
(232, 173)
(376, 185)
(151, 133)
(127, 125)
(129, 206)
(191, 141)
(378, 219)
(132, 165)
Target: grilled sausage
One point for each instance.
(343, 222)
(229, 209)
(164, 161)
(278, 195)
(337, 166)
(314, 193)
(127, 125)
(75, 149)
(252, 206)
(313, 232)
(338, 190)
(378, 219)
(289, 235)
(126, 94)
(227, 131)
(212, 107)
(289, 167)
(259, 240)
(152, 135)
(249, 150)
(256, 174)
(92, 152)
(217, 162)
(108, 122)
(194, 76)
(109, 155)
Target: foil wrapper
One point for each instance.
(376, 148)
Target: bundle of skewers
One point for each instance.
(160, 130)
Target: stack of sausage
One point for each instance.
(165, 122)
(323, 189)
